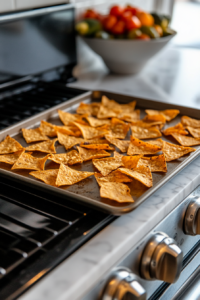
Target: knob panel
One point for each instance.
(192, 218)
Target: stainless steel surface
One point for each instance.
(161, 259)
(123, 285)
(192, 217)
(87, 191)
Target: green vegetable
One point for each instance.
(134, 33)
(151, 31)
(168, 31)
(161, 20)
(103, 35)
(88, 27)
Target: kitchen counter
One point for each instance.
(172, 77)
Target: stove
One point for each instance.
(40, 231)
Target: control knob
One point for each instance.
(161, 259)
(123, 285)
(192, 217)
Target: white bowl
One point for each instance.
(127, 56)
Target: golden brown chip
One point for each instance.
(130, 116)
(185, 140)
(116, 191)
(107, 165)
(29, 162)
(112, 104)
(69, 141)
(139, 147)
(117, 155)
(147, 124)
(69, 158)
(97, 141)
(68, 118)
(97, 146)
(141, 173)
(195, 132)
(48, 129)
(145, 133)
(173, 152)
(158, 142)
(106, 113)
(68, 176)
(131, 162)
(178, 128)
(48, 176)
(34, 135)
(118, 129)
(155, 118)
(115, 176)
(91, 132)
(10, 158)
(91, 154)
(47, 147)
(169, 114)
(187, 121)
(90, 109)
(96, 123)
(9, 145)
(155, 163)
(68, 130)
(137, 188)
(122, 145)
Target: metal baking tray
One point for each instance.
(87, 191)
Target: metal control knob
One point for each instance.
(123, 285)
(161, 259)
(192, 217)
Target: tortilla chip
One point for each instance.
(91, 154)
(34, 135)
(96, 123)
(178, 128)
(106, 113)
(107, 165)
(115, 176)
(69, 158)
(97, 141)
(122, 145)
(68, 118)
(10, 158)
(147, 124)
(116, 191)
(48, 176)
(169, 114)
(145, 133)
(29, 162)
(97, 146)
(158, 142)
(185, 140)
(155, 118)
(187, 121)
(131, 162)
(118, 129)
(91, 132)
(195, 132)
(139, 147)
(47, 147)
(117, 155)
(69, 141)
(155, 163)
(141, 173)
(130, 116)
(112, 104)
(68, 130)
(9, 145)
(173, 152)
(48, 129)
(137, 188)
(68, 176)
(90, 109)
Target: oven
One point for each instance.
(43, 235)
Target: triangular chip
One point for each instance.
(86, 154)
(116, 191)
(91, 132)
(68, 130)
(169, 114)
(48, 129)
(158, 142)
(173, 152)
(107, 165)
(141, 173)
(155, 118)
(115, 176)
(47, 147)
(118, 129)
(10, 158)
(29, 162)
(69, 158)
(68, 176)
(117, 155)
(9, 145)
(97, 146)
(195, 132)
(96, 123)
(34, 135)
(48, 176)
(144, 124)
(112, 104)
(106, 113)
(69, 141)
(178, 128)
(187, 121)
(155, 163)
(131, 162)
(67, 118)
(122, 145)
(130, 116)
(139, 147)
(90, 109)
(97, 141)
(185, 140)
(145, 133)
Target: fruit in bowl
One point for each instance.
(126, 38)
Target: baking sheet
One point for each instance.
(87, 191)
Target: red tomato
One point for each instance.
(143, 37)
(119, 28)
(126, 16)
(90, 14)
(116, 11)
(133, 23)
(131, 9)
(109, 22)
